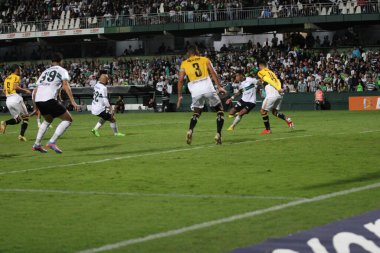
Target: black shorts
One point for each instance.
(105, 115)
(51, 107)
(242, 104)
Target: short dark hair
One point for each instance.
(192, 49)
(14, 67)
(56, 57)
(262, 62)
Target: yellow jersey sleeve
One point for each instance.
(195, 67)
(270, 78)
(10, 84)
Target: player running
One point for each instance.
(248, 89)
(101, 106)
(198, 69)
(15, 103)
(45, 99)
(273, 98)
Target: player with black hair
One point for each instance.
(273, 98)
(198, 70)
(248, 89)
(15, 102)
(45, 100)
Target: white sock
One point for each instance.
(237, 120)
(114, 127)
(38, 122)
(41, 132)
(99, 124)
(61, 128)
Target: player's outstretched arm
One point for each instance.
(215, 77)
(18, 88)
(67, 89)
(179, 87)
(233, 97)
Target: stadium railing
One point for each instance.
(269, 11)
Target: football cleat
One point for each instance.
(3, 126)
(95, 132)
(189, 137)
(231, 128)
(230, 116)
(22, 138)
(54, 147)
(266, 131)
(119, 134)
(50, 126)
(218, 139)
(290, 123)
(39, 148)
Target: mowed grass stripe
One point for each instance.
(228, 219)
(141, 194)
(57, 166)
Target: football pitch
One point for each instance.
(151, 192)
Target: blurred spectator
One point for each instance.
(319, 99)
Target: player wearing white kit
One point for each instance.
(248, 89)
(273, 98)
(15, 103)
(101, 106)
(45, 100)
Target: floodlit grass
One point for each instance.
(154, 182)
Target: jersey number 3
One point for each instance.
(198, 71)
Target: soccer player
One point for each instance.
(101, 106)
(273, 98)
(198, 69)
(248, 89)
(15, 103)
(45, 100)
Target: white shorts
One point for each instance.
(272, 103)
(17, 108)
(212, 98)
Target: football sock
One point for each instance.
(114, 127)
(38, 122)
(24, 126)
(99, 124)
(219, 122)
(61, 128)
(266, 122)
(41, 131)
(193, 121)
(237, 120)
(281, 115)
(11, 122)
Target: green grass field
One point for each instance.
(106, 190)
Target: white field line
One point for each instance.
(141, 194)
(228, 219)
(140, 155)
(369, 131)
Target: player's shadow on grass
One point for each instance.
(361, 178)
(4, 156)
(91, 148)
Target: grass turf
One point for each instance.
(329, 151)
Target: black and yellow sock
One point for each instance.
(193, 121)
(266, 122)
(219, 122)
(281, 115)
(11, 122)
(24, 126)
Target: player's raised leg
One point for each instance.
(193, 122)
(282, 116)
(61, 128)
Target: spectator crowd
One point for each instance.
(300, 69)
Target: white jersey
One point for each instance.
(100, 99)
(50, 82)
(248, 88)
(271, 92)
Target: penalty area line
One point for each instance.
(229, 219)
(58, 166)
